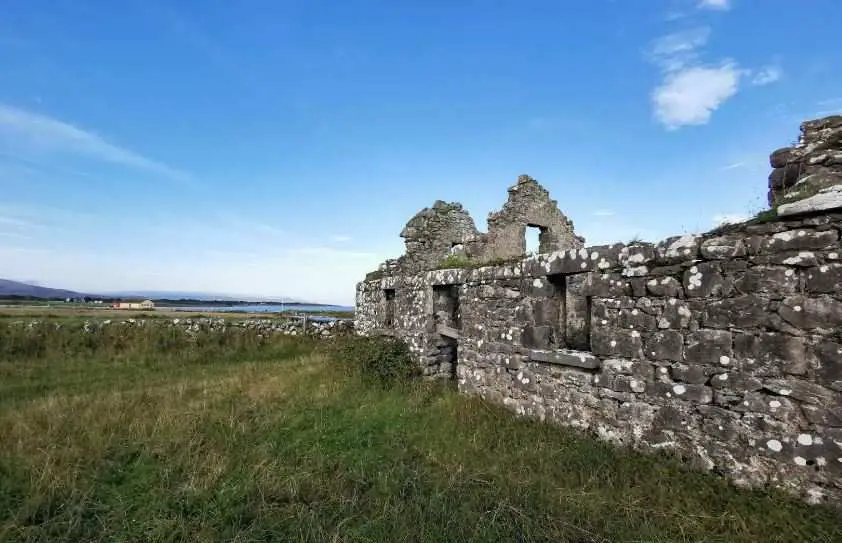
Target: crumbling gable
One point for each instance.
(434, 233)
(445, 230)
(529, 206)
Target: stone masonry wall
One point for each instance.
(725, 347)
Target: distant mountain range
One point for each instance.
(17, 288)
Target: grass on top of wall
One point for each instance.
(152, 437)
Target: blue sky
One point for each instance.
(273, 147)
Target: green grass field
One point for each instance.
(145, 435)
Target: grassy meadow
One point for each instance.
(147, 434)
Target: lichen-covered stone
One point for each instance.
(705, 280)
(746, 311)
(826, 278)
(665, 345)
(770, 354)
(708, 347)
(812, 312)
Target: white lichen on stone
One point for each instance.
(774, 445)
(679, 389)
(800, 461)
(805, 439)
(724, 360)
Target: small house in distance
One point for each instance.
(144, 305)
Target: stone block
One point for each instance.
(770, 354)
(693, 374)
(564, 357)
(676, 315)
(608, 285)
(801, 239)
(678, 249)
(811, 313)
(724, 247)
(705, 280)
(770, 280)
(803, 391)
(708, 348)
(668, 287)
(635, 319)
(616, 342)
(665, 345)
(829, 355)
(699, 394)
(824, 279)
(747, 311)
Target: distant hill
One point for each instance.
(16, 288)
(201, 296)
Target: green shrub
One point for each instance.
(380, 360)
(454, 261)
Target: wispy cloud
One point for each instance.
(721, 5)
(675, 51)
(15, 222)
(26, 131)
(733, 166)
(767, 75)
(603, 213)
(341, 239)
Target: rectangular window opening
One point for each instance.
(571, 311)
(446, 314)
(389, 310)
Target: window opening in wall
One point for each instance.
(446, 314)
(570, 312)
(558, 311)
(533, 239)
(389, 311)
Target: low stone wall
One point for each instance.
(292, 327)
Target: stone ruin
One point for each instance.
(446, 230)
(724, 347)
(807, 177)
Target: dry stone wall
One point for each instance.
(724, 347)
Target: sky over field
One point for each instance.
(275, 147)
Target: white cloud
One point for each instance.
(603, 213)
(722, 5)
(675, 51)
(729, 218)
(341, 239)
(689, 96)
(733, 166)
(767, 75)
(25, 131)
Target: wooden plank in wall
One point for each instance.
(447, 331)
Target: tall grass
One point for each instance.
(146, 435)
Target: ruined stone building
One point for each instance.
(725, 347)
